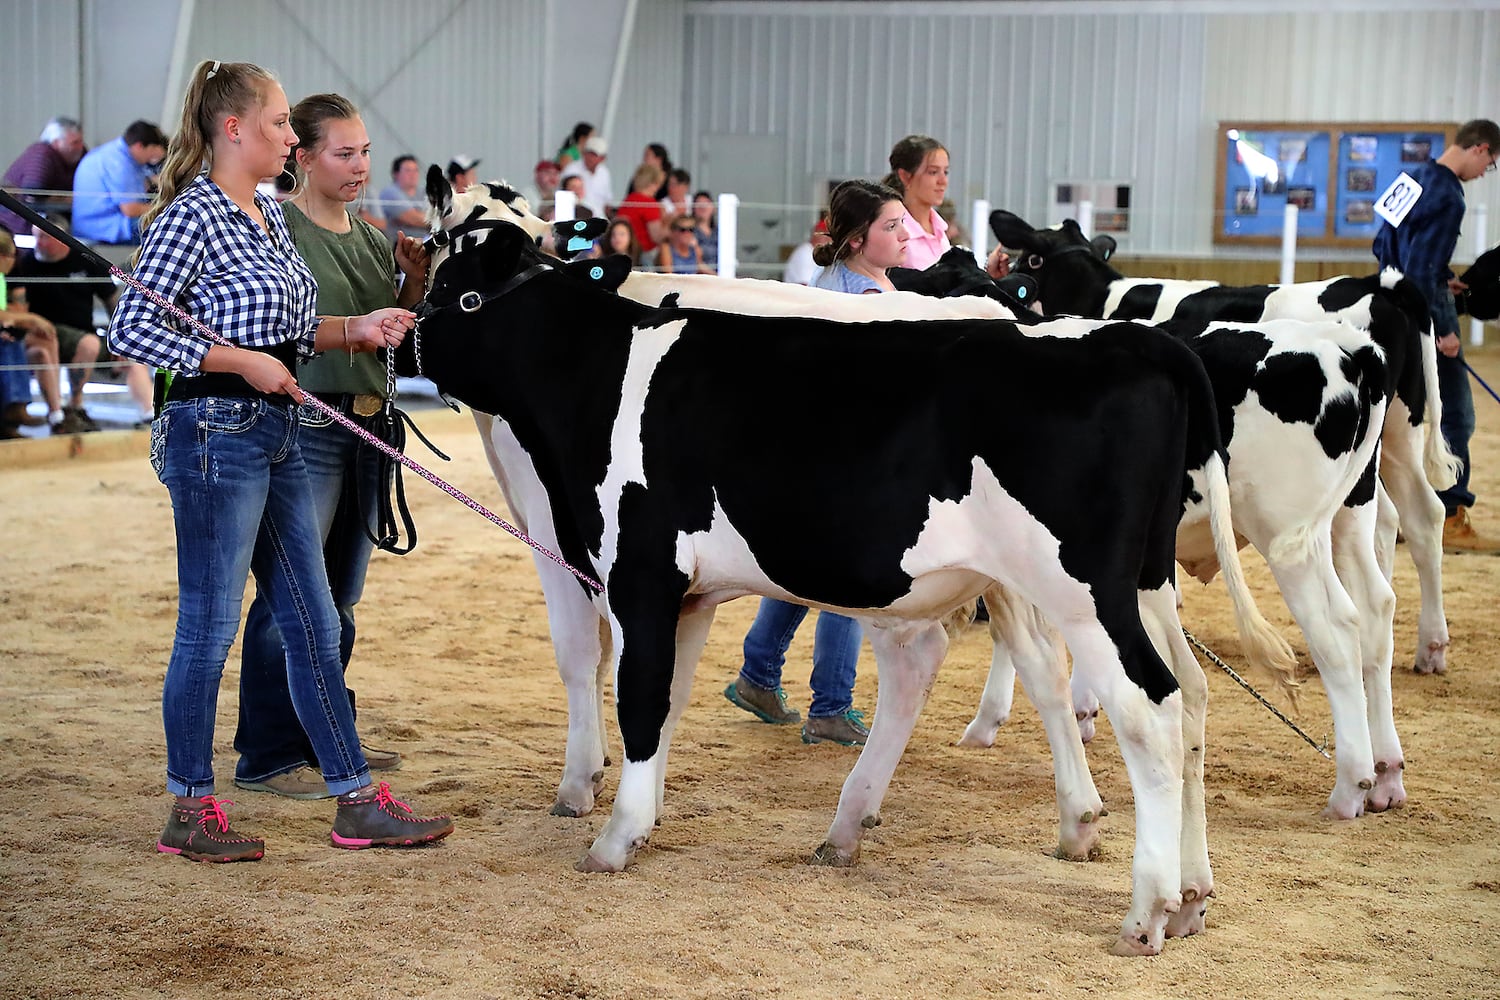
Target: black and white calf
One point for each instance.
(1076, 280)
(658, 469)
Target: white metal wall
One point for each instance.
(779, 97)
(1026, 94)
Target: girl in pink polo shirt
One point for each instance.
(919, 170)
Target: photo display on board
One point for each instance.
(1331, 171)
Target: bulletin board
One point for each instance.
(1332, 171)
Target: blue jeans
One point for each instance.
(835, 653)
(270, 738)
(1458, 425)
(241, 506)
(15, 376)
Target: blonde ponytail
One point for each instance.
(214, 92)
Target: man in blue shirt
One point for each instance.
(109, 187)
(1420, 247)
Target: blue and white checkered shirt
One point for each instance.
(208, 256)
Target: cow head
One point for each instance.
(1482, 300)
(1071, 270)
(957, 273)
(471, 214)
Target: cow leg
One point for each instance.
(1422, 523)
(999, 687)
(579, 635)
(1159, 615)
(1387, 527)
(907, 656)
(692, 636)
(645, 612)
(1329, 622)
(1359, 570)
(1150, 738)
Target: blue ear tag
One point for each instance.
(1021, 292)
(578, 226)
(577, 243)
(596, 272)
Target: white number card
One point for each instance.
(1398, 199)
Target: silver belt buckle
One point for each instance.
(366, 404)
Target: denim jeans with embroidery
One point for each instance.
(242, 506)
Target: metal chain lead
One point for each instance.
(1214, 659)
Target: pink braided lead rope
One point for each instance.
(367, 437)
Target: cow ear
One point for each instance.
(439, 191)
(576, 235)
(1104, 246)
(1012, 230)
(607, 273)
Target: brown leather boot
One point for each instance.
(373, 817)
(1459, 536)
(200, 832)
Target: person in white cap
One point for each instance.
(463, 170)
(599, 193)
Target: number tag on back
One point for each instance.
(1398, 199)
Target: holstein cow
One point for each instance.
(1023, 641)
(1076, 280)
(1298, 403)
(646, 430)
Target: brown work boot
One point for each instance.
(1459, 536)
(301, 782)
(766, 704)
(373, 817)
(200, 832)
(847, 728)
(377, 759)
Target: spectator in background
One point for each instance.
(919, 173)
(65, 296)
(620, 238)
(800, 266)
(402, 204)
(463, 170)
(641, 210)
(706, 228)
(656, 154)
(678, 203)
(15, 372)
(574, 185)
(543, 186)
(598, 188)
(111, 184)
(571, 149)
(46, 165)
(680, 254)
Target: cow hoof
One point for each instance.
(834, 857)
(561, 808)
(1138, 943)
(589, 863)
(598, 779)
(1389, 792)
(1082, 842)
(1189, 920)
(1345, 805)
(979, 734)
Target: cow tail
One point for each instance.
(1438, 461)
(1264, 646)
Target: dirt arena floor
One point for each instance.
(955, 895)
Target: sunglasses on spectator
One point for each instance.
(683, 229)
